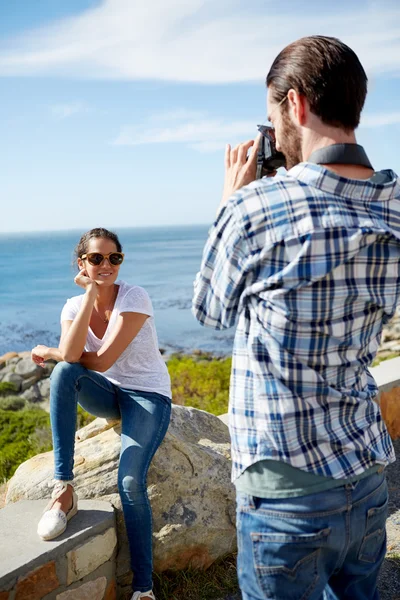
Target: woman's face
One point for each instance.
(104, 274)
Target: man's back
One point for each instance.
(311, 267)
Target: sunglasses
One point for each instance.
(96, 258)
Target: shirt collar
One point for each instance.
(331, 183)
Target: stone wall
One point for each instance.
(79, 565)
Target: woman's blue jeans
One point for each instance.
(144, 421)
(325, 546)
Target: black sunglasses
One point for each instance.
(96, 258)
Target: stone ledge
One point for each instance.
(23, 551)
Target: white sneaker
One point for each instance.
(54, 521)
(139, 595)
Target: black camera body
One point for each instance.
(268, 158)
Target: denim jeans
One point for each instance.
(144, 422)
(325, 546)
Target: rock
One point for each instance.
(44, 387)
(27, 369)
(28, 383)
(189, 487)
(91, 590)
(25, 354)
(48, 367)
(7, 356)
(32, 394)
(13, 361)
(14, 379)
(94, 428)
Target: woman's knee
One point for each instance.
(130, 488)
(65, 372)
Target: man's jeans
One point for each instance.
(325, 546)
(144, 422)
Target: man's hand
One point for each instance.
(239, 170)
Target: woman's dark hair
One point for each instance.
(98, 232)
(325, 71)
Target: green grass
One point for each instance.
(12, 403)
(21, 437)
(216, 582)
(7, 387)
(25, 433)
(393, 556)
(380, 359)
(201, 382)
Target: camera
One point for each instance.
(268, 158)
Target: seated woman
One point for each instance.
(109, 363)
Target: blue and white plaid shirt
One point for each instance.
(308, 266)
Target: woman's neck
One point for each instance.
(105, 295)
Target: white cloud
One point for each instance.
(197, 40)
(64, 111)
(380, 119)
(198, 131)
(204, 133)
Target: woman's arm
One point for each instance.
(126, 329)
(42, 353)
(74, 333)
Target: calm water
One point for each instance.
(37, 277)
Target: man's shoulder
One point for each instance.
(269, 185)
(271, 195)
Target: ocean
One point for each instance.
(37, 277)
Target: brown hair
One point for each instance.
(325, 71)
(98, 232)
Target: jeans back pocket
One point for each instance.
(375, 533)
(287, 564)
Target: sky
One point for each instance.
(116, 112)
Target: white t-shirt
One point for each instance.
(140, 366)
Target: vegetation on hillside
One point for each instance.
(20, 437)
(200, 381)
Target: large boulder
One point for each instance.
(189, 487)
(28, 369)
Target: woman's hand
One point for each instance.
(40, 354)
(84, 281)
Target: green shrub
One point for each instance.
(12, 403)
(202, 383)
(378, 359)
(84, 418)
(17, 438)
(6, 387)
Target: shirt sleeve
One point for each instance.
(221, 280)
(69, 311)
(137, 300)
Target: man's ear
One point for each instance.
(80, 264)
(297, 106)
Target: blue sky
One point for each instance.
(116, 112)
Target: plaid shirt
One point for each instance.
(307, 266)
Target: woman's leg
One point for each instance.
(71, 383)
(145, 420)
